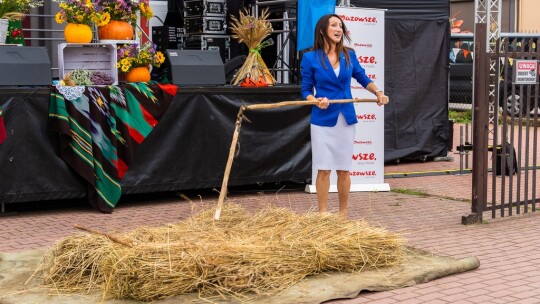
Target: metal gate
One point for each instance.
(505, 140)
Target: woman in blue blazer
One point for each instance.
(326, 73)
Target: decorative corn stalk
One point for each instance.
(252, 31)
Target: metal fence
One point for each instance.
(460, 74)
(505, 148)
(514, 184)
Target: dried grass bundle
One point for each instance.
(252, 31)
(73, 263)
(260, 253)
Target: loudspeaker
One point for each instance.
(195, 67)
(24, 66)
(233, 66)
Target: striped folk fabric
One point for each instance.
(100, 131)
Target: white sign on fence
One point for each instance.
(525, 71)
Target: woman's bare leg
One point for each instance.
(344, 188)
(323, 186)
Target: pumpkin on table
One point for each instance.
(77, 33)
(79, 16)
(135, 61)
(116, 30)
(138, 74)
(118, 18)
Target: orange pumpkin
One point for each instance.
(138, 74)
(77, 33)
(116, 30)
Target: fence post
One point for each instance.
(480, 126)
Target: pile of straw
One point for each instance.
(252, 31)
(260, 253)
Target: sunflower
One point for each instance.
(159, 57)
(103, 19)
(60, 18)
(146, 10)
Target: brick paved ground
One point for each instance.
(508, 248)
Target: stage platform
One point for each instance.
(187, 149)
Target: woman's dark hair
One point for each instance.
(321, 36)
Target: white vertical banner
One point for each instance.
(366, 29)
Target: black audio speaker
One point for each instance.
(24, 66)
(195, 67)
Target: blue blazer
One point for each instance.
(326, 84)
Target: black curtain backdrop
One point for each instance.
(188, 149)
(417, 42)
(31, 168)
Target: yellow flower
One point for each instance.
(146, 10)
(104, 19)
(125, 61)
(160, 58)
(60, 18)
(74, 11)
(125, 68)
(144, 56)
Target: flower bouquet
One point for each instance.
(133, 55)
(123, 10)
(135, 60)
(79, 16)
(15, 9)
(118, 17)
(252, 31)
(76, 11)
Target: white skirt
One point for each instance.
(332, 147)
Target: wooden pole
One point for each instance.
(301, 103)
(240, 117)
(223, 192)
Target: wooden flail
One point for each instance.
(240, 117)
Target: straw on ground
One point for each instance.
(261, 253)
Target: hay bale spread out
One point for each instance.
(262, 252)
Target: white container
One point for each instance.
(4, 23)
(89, 56)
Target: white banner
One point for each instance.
(366, 29)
